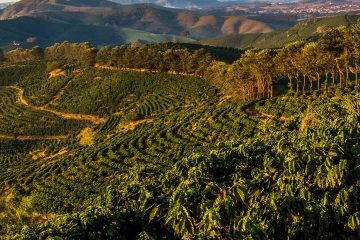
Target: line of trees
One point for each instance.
(333, 60)
(152, 58)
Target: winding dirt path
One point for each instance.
(81, 117)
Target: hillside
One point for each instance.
(304, 30)
(143, 17)
(167, 141)
(27, 32)
(179, 3)
(27, 7)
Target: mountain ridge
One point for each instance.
(27, 7)
(27, 32)
(143, 17)
(306, 30)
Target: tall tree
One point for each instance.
(335, 42)
(288, 64)
(355, 51)
(311, 64)
(37, 53)
(2, 56)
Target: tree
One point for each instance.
(310, 64)
(103, 56)
(2, 56)
(265, 60)
(355, 51)
(287, 62)
(216, 74)
(37, 53)
(83, 53)
(335, 42)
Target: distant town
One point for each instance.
(300, 9)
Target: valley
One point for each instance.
(179, 120)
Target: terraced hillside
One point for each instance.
(150, 120)
(21, 121)
(128, 153)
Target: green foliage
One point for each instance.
(104, 92)
(285, 184)
(174, 159)
(17, 119)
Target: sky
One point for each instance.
(5, 1)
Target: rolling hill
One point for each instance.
(181, 3)
(143, 17)
(124, 149)
(303, 30)
(27, 32)
(29, 7)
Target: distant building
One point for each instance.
(14, 43)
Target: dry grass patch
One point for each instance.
(87, 137)
(57, 73)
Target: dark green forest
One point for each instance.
(181, 141)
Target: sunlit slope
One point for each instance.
(304, 30)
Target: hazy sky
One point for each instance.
(4, 1)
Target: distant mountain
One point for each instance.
(189, 4)
(27, 32)
(305, 30)
(143, 17)
(4, 5)
(29, 7)
(179, 3)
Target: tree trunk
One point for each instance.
(263, 87)
(346, 66)
(290, 82)
(356, 80)
(318, 81)
(304, 83)
(356, 77)
(326, 81)
(341, 79)
(341, 73)
(297, 84)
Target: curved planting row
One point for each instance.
(17, 119)
(64, 181)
